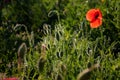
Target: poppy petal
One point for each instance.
(10, 78)
(100, 14)
(90, 14)
(96, 23)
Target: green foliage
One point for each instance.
(52, 40)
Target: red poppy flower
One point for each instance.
(95, 18)
(11, 78)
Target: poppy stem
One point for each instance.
(101, 32)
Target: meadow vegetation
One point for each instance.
(52, 40)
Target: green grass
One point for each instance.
(67, 49)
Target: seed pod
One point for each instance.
(85, 74)
(63, 68)
(42, 58)
(59, 77)
(41, 64)
(21, 55)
